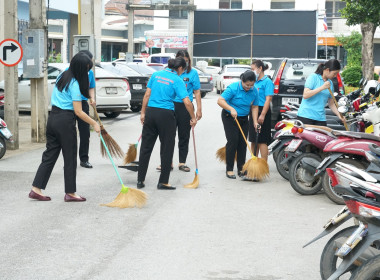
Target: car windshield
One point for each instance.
(237, 69)
(121, 70)
(299, 70)
(145, 70)
(159, 59)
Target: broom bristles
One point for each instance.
(256, 168)
(130, 199)
(194, 184)
(221, 154)
(113, 147)
(131, 154)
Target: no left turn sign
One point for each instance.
(10, 52)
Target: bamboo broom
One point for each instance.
(132, 152)
(195, 182)
(255, 168)
(128, 197)
(336, 104)
(114, 148)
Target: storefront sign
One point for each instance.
(172, 42)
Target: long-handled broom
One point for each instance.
(256, 168)
(127, 197)
(114, 148)
(132, 152)
(336, 104)
(221, 154)
(195, 182)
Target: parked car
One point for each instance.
(142, 68)
(289, 81)
(157, 66)
(112, 92)
(160, 58)
(230, 73)
(137, 82)
(206, 82)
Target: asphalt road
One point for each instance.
(226, 229)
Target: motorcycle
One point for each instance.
(5, 135)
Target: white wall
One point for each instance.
(161, 23)
(207, 5)
(310, 5)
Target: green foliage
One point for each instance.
(55, 58)
(243, 61)
(375, 76)
(361, 11)
(353, 45)
(352, 75)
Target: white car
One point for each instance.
(230, 73)
(112, 92)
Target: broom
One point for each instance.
(256, 168)
(132, 152)
(221, 154)
(127, 197)
(195, 183)
(114, 148)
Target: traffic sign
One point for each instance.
(10, 52)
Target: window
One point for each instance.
(178, 19)
(332, 10)
(282, 4)
(230, 4)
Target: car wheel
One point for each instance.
(112, 115)
(203, 94)
(136, 109)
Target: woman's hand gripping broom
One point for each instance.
(255, 168)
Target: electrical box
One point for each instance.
(128, 57)
(84, 42)
(33, 44)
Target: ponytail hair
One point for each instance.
(248, 76)
(259, 63)
(175, 63)
(185, 53)
(332, 65)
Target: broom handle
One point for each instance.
(336, 104)
(195, 151)
(97, 116)
(139, 138)
(113, 164)
(245, 139)
(257, 140)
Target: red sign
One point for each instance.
(10, 52)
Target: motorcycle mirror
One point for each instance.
(377, 90)
(342, 109)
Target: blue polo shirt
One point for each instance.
(192, 83)
(166, 85)
(314, 107)
(240, 99)
(64, 99)
(265, 87)
(91, 79)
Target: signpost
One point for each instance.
(10, 52)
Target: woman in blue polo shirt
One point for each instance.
(265, 87)
(316, 94)
(158, 119)
(237, 101)
(61, 134)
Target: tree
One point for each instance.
(367, 14)
(353, 45)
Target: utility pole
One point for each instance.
(131, 21)
(11, 75)
(2, 15)
(190, 39)
(38, 86)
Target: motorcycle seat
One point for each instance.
(358, 135)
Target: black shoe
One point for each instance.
(161, 186)
(241, 174)
(140, 185)
(230, 176)
(85, 164)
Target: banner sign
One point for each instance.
(171, 42)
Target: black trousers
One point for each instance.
(311, 121)
(158, 123)
(84, 133)
(61, 134)
(183, 125)
(235, 141)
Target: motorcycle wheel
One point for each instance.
(329, 262)
(283, 169)
(370, 270)
(326, 181)
(301, 180)
(4, 148)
